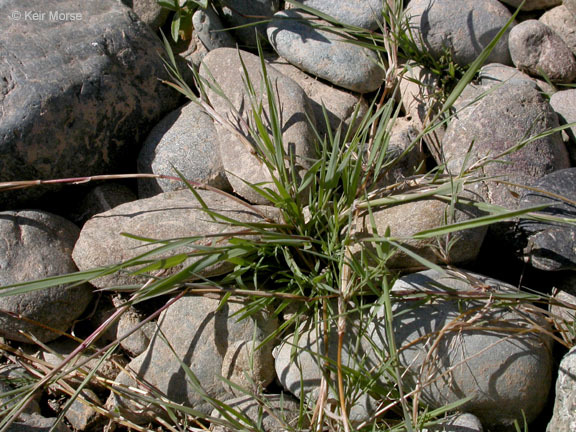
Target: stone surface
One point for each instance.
(495, 124)
(324, 54)
(284, 408)
(458, 423)
(533, 4)
(212, 343)
(82, 416)
(301, 358)
(38, 423)
(35, 245)
(137, 342)
(99, 199)
(563, 310)
(165, 216)
(564, 416)
(463, 27)
(404, 155)
(564, 103)
(360, 13)
(184, 140)
(552, 245)
(241, 12)
(405, 220)
(341, 106)
(210, 30)
(563, 23)
(75, 109)
(236, 149)
(456, 347)
(536, 49)
(570, 5)
(149, 12)
(494, 74)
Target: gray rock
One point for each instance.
(551, 245)
(564, 103)
(453, 348)
(533, 4)
(137, 342)
(564, 416)
(11, 378)
(82, 416)
(458, 423)
(341, 106)
(404, 156)
(38, 423)
(563, 23)
(462, 27)
(165, 216)
(495, 124)
(241, 12)
(149, 12)
(536, 49)
(99, 199)
(236, 148)
(405, 220)
(76, 109)
(36, 245)
(185, 140)
(360, 13)
(277, 413)
(300, 361)
(494, 74)
(324, 54)
(210, 30)
(212, 343)
(563, 309)
(570, 5)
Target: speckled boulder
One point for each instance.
(536, 49)
(552, 245)
(213, 343)
(35, 245)
(506, 116)
(463, 27)
(563, 23)
(530, 5)
(360, 13)
(456, 347)
(185, 140)
(323, 53)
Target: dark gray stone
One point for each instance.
(137, 342)
(210, 30)
(213, 343)
(564, 416)
(36, 245)
(38, 423)
(324, 54)
(457, 345)
(360, 13)
(494, 125)
(241, 12)
(78, 108)
(185, 140)
(149, 12)
(224, 68)
(277, 413)
(536, 49)
(165, 216)
(552, 245)
(99, 199)
(462, 27)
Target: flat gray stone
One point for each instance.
(504, 117)
(564, 416)
(533, 4)
(463, 27)
(456, 347)
(563, 23)
(35, 245)
(184, 140)
(551, 245)
(360, 13)
(242, 12)
(494, 74)
(537, 50)
(324, 54)
(165, 216)
(81, 108)
(242, 165)
(213, 344)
